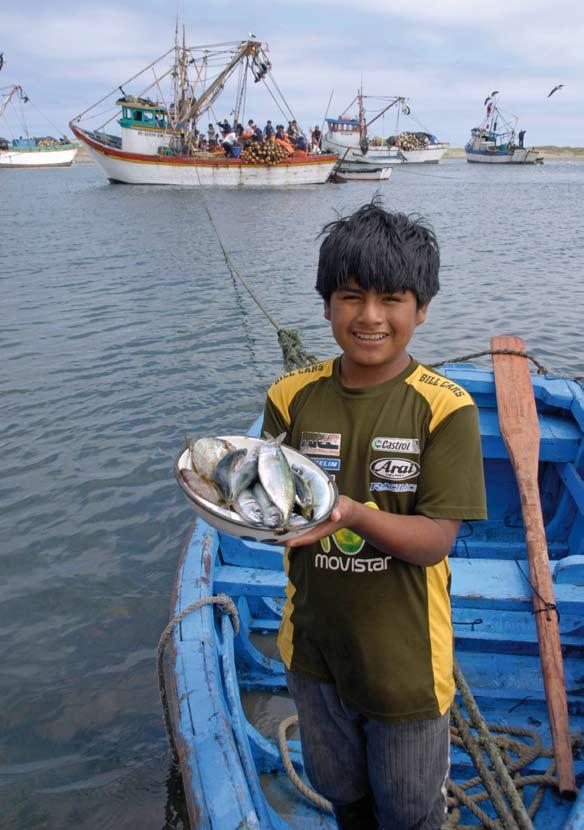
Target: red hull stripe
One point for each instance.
(185, 161)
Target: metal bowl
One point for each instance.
(229, 522)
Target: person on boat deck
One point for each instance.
(229, 142)
(521, 136)
(211, 137)
(301, 144)
(224, 126)
(316, 136)
(268, 131)
(293, 130)
(283, 139)
(366, 633)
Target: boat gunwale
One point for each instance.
(187, 161)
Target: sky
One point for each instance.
(445, 57)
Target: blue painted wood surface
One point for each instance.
(233, 774)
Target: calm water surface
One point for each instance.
(121, 330)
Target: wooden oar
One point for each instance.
(520, 431)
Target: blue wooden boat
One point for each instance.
(233, 774)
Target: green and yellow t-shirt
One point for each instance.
(377, 627)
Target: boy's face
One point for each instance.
(373, 329)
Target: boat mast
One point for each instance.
(362, 123)
(247, 49)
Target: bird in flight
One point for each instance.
(555, 89)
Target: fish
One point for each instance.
(318, 487)
(248, 508)
(201, 486)
(275, 476)
(271, 515)
(295, 522)
(304, 497)
(206, 453)
(226, 475)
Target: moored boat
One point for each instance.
(160, 140)
(350, 137)
(496, 141)
(233, 773)
(32, 151)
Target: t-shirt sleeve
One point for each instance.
(274, 422)
(451, 483)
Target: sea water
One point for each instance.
(122, 330)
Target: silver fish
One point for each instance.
(271, 516)
(276, 476)
(295, 522)
(304, 496)
(226, 475)
(319, 489)
(206, 453)
(248, 508)
(201, 486)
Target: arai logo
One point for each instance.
(395, 469)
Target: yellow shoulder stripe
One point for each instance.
(443, 395)
(283, 391)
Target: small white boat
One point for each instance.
(359, 172)
(31, 151)
(494, 141)
(161, 143)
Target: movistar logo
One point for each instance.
(395, 469)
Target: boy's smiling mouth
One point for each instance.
(361, 335)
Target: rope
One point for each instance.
(303, 788)
(541, 369)
(507, 754)
(226, 606)
(293, 353)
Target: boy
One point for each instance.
(366, 633)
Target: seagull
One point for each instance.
(555, 89)
(496, 92)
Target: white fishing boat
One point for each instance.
(27, 150)
(495, 140)
(163, 138)
(350, 137)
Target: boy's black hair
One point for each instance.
(383, 251)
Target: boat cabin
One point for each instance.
(342, 125)
(144, 125)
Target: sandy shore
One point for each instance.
(548, 151)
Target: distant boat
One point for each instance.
(32, 151)
(356, 171)
(163, 141)
(495, 141)
(349, 136)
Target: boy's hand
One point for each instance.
(341, 516)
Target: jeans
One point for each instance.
(348, 757)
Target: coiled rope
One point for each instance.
(500, 783)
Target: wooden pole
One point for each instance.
(520, 430)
